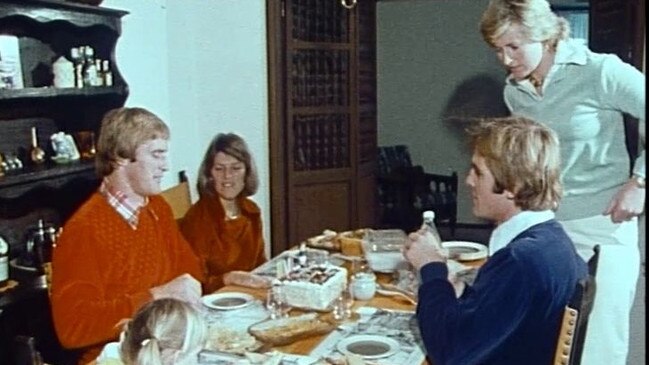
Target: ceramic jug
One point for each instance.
(364, 285)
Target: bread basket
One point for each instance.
(351, 241)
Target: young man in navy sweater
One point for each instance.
(512, 312)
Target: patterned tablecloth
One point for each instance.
(239, 320)
(400, 326)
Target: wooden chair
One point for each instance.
(179, 196)
(572, 333)
(406, 191)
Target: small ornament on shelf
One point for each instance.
(11, 162)
(11, 75)
(36, 154)
(86, 144)
(64, 147)
(63, 71)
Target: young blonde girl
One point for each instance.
(163, 332)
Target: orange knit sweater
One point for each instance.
(224, 245)
(102, 270)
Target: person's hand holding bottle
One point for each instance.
(422, 247)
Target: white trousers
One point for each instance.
(607, 336)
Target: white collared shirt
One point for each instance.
(509, 229)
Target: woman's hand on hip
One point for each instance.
(627, 203)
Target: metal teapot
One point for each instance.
(40, 242)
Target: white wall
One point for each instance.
(434, 69)
(200, 66)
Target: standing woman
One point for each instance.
(582, 96)
(224, 226)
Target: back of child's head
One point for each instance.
(162, 332)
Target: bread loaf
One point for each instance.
(247, 279)
(287, 330)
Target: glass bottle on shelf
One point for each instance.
(107, 74)
(99, 78)
(77, 61)
(36, 154)
(4, 262)
(89, 67)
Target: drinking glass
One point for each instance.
(359, 266)
(276, 303)
(343, 304)
(317, 257)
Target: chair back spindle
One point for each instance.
(572, 332)
(406, 191)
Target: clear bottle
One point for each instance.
(302, 255)
(99, 75)
(107, 74)
(89, 68)
(429, 224)
(76, 55)
(4, 262)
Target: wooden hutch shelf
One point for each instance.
(33, 93)
(46, 31)
(51, 176)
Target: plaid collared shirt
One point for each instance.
(122, 205)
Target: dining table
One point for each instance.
(306, 346)
(396, 303)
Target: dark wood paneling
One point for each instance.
(323, 117)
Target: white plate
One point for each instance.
(465, 251)
(227, 300)
(368, 346)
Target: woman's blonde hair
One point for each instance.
(122, 131)
(523, 157)
(163, 332)
(539, 22)
(232, 145)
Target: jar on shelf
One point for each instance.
(63, 71)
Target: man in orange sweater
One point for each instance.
(121, 248)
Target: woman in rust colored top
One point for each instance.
(224, 226)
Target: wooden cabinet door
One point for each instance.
(618, 26)
(323, 118)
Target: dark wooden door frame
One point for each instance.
(294, 190)
(277, 113)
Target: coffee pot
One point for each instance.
(40, 242)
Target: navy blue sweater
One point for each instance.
(512, 313)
